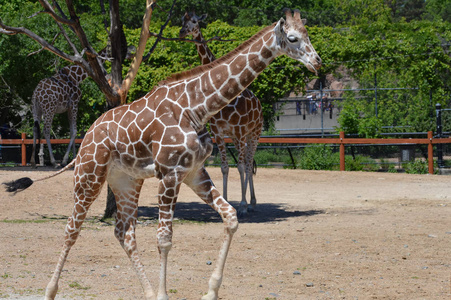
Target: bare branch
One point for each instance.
(162, 28)
(58, 7)
(46, 45)
(102, 10)
(137, 60)
(36, 13)
(35, 52)
(40, 50)
(48, 9)
(8, 32)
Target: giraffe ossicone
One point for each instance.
(163, 135)
(241, 120)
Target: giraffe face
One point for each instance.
(190, 24)
(292, 40)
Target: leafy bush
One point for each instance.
(360, 163)
(263, 157)
(317, 157)
(416, 167)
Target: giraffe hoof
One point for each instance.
(242, 213)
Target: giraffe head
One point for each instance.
(292, 40)
(190, 24)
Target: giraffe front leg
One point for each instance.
(202, 185)
(224, 163)
(70, 147)
(241, 147)
(168, 189)
(250, 153)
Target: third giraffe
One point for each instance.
(241, 120)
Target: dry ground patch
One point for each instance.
(315, 235)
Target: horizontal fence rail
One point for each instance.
(341, 141)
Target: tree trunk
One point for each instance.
(110, 209)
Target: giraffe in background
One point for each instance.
(56, 95)
(163, 135)
(241, 120)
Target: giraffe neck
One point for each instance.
(205, 54)
(210, 88)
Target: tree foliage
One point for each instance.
(400, 45)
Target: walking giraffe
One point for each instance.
(163, 135)
(241, 120)
(56, 95)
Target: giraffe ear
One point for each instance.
(203, 17)
(278, 30)
(304, 21)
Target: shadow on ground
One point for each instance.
(200, 212)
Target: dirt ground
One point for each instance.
(315, 235)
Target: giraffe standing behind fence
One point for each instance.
(241, 120)
(56, 95)
(163, 135)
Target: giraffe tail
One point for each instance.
(254, 167)
(23, 183)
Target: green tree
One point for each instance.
(438, 10)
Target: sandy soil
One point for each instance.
(315, 235)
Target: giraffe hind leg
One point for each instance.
(36, 135)
(126, 191)
(86, 190)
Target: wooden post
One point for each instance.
(342, 151)
(430, 154)
(24, 150)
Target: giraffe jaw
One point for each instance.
(313, 68)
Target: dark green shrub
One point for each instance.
(360, 163)
(416, 167)
(317, 157)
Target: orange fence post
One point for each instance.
(430, 154)
(342, 151)
(24, 150)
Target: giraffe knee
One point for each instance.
(231, 221)
(241, 168)
(164, 241)
(225, 169)
(164, 247)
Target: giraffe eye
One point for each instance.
(292, 39)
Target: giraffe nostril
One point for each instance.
(318, 59)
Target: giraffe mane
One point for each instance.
(224, 59)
